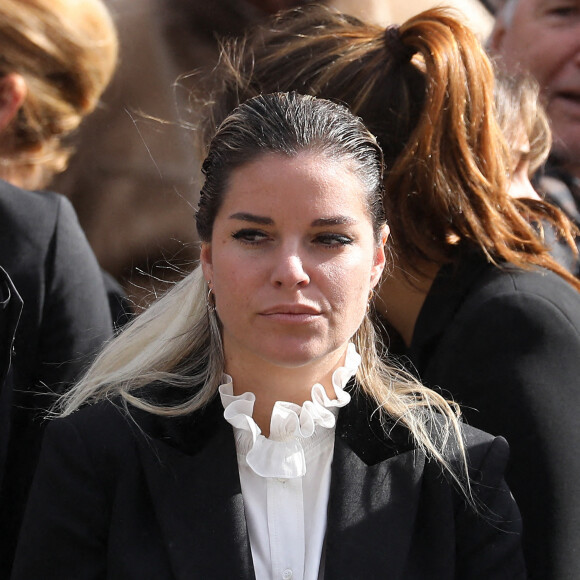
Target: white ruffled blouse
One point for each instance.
(285, 478)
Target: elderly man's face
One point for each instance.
(544, 38)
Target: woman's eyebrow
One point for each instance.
(248, 217)
(339, 220)
(266, 221)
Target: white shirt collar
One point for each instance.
(292, 427)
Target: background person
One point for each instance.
(57, 57)
(473, 299)
(543, 37)
(247, 437)
(525, 126)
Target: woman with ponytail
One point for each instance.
(245, 425)
(471, 296)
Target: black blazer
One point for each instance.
(505, 343)
(10, 311)
(64, 320)
(156, 498)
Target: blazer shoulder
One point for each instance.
(526, 305)
(482, 448)
(106, 424)
(540, 287)
(375, 438)
(23, 207)
(111, 422)
(479, 446)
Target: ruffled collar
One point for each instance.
(292, 427)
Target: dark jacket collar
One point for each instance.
(358, 425)
(185, 459)
(361, 428)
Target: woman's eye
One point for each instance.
(563, 10)
(333, 240)
(250, 236)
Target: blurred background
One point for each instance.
(133, 181)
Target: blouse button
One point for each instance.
(287, 574)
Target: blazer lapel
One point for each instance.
(192, 473)
(374, 496)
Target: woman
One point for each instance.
(58, 57)
(525, 126)
(258, 434)
(473, 298)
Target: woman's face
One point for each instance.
(291, 261)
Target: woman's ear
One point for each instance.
(206, 262)
(13, 91)
(380, 257)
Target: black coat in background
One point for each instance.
(505, 344)
(10, 310)
(65, 319)
(160, 499)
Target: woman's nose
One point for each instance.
(289, 271)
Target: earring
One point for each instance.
(210, 300)
(370, 300)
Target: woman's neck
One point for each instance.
(400, 298)
(29, 177)
(271, 383)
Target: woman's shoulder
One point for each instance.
(23, 207)
(103, 421)
(479, 446)
(509, 296)
(375, 437)
(113, 423)
(510, 279)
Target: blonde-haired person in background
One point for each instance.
(542, 38)
(474, 298)
(526, 127)
(56, 58)
(244, 425)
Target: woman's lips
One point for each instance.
(292, 313)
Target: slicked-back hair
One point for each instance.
(287, 124)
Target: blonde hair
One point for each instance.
(177, 342)
(520, 113)
(66, 51)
